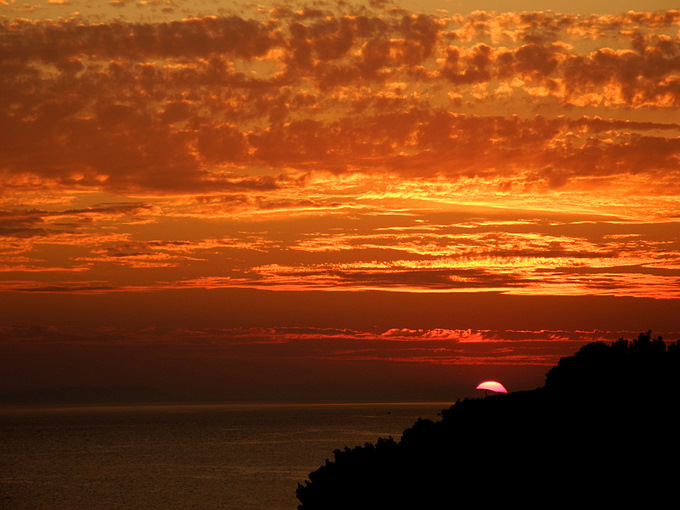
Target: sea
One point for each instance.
(181, 456)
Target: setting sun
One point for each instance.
(236, 237)
(196, 194)
(492, 386)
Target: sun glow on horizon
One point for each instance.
(345, 149)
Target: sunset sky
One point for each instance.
(333, 200)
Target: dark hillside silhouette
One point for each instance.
(643, 367)
(603, 431)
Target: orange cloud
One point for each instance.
(328, 147)
(168, 107)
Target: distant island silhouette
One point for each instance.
(602, 432)
(78, 395)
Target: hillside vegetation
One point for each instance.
(603, 431)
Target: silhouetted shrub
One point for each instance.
(603, 430)
(622, 369)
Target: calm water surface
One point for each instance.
(181, 456)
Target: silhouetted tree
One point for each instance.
(601, 430)
(620, 370)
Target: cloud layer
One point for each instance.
(530, 99)
(342, 147)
